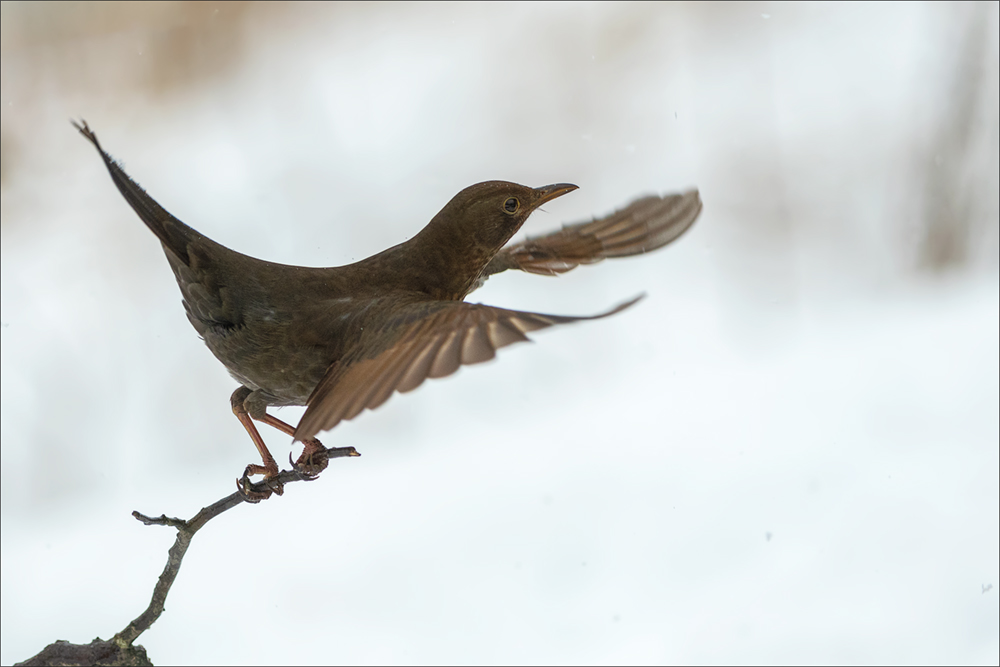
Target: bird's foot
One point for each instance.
(313, 460)
(264, 488)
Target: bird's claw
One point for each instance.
(251, 495)
(305, 472)
(313, 460)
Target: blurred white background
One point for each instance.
(787, 453)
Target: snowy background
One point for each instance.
(787, 453)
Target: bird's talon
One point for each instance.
(275, 485)
(305, 474)
(251, 495)
(313, 461)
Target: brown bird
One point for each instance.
(342, 339)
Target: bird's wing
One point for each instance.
(645, 224)
(441, 336)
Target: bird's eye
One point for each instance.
(511, 205)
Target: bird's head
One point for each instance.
(489, 214)
(448, 255)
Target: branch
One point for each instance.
(119, 650)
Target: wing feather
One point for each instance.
(420, 369)
(477, 347)
(644, 225)
(449, 357)
(446, 336)
(502, 333)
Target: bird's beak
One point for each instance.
(550, 192)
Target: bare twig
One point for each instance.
(185, 531)
(84, 653)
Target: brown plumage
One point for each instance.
(340, 340)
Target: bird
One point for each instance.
(344, 339)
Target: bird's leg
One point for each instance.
(270, 468)
(313, 459)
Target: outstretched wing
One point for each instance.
(442, 336)
(645, 224)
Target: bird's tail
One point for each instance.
(174, 234)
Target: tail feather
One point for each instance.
(174, 234)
